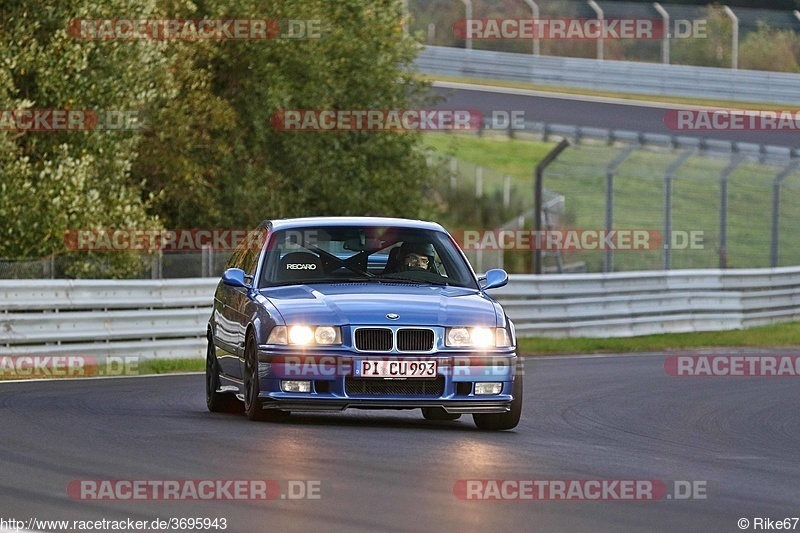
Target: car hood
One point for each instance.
(369, 303)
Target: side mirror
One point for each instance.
(234, 277)
(496, 277)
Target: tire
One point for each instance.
(503, 421)
(437, 413)
(217, 402)
(252, 405)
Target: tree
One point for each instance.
(55, 181)
(770, 49)
(207, 155)
(361, 60)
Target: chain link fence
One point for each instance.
(435, 20)
(694, 205)
(163, 265)
(710, 210)
(700, 206)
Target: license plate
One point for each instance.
(397, 369)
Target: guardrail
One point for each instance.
(644, 303)
(618, 76)
(167, 318)
(125, 318)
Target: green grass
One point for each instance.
(507, 156)
(145, 367)
(579, 175)
(172, 366)
(787, 334)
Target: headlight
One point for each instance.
(277, 335)
(300, 335)
(478, 337)
(306, 335)
(327, 335)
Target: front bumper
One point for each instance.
(334, 387)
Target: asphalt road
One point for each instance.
(616, 417)
(599, 113)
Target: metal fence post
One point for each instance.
(535, 14)
(538, 193)
(468, 16)
(736, 160)
(157, 266)
(610, 170)
(734, 37)
(776, 209)
(668, 175)
(600, 43)
(666, 36)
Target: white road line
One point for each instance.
(591, 356)
(89, 378)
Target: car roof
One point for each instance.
(288, 223)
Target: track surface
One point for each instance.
(584, 112)
(616, 417)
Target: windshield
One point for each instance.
(347, 254)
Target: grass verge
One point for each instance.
(678, 100)
(579, 175)
(777, 335)
(787, 334)
(172, 366)
(56, 367)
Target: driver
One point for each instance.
(416, 256)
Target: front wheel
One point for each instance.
(252, 404)
(501, 421)
(216, 401)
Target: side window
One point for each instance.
(247, 253)
(235, 259)
(252, 250)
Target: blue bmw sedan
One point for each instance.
(328, 314)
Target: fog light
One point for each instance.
(295, 386)
(488, 388)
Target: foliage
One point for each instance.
(51, 182)
(207, 155)
(770, 49)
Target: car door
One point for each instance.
(240, 303)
